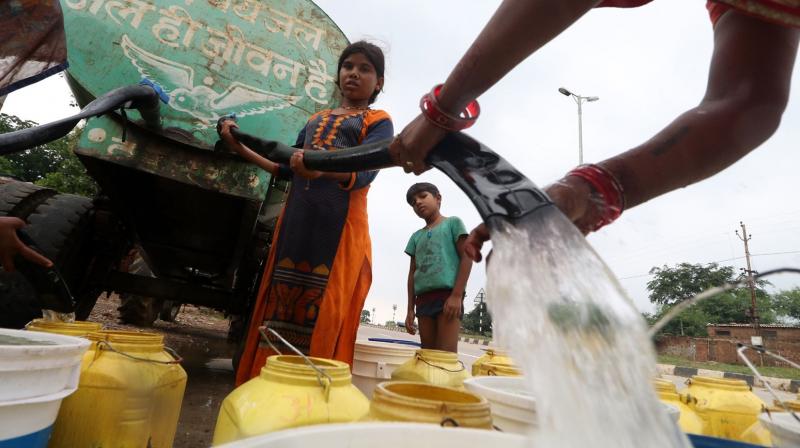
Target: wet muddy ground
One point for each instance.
(199, 336)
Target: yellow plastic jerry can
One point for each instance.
(758, 434)
(492, 355)
(405, 401)
(688, 421)
(436, 367)
(78, 328)
(288, 393)
(129, 395)
(727, 407)
(498, 369)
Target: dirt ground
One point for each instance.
(199, 336)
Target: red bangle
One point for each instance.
(608, 187)
(434, 113)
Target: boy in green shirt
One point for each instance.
(438, 272)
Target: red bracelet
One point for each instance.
(431, 110)
(608, 187)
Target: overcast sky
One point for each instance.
(647, 65)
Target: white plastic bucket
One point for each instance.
(34, 370)
(384, 435)
(513, 408)
(29, 421)
(374, 362)
(783, 427)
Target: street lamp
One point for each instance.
(579, 100)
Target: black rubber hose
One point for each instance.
(374, 156)
(140, 97)
(498, 190)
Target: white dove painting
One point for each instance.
(201, 101)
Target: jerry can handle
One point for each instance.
(449, 422)
(322, 376)
(178, 359)
(419, 357)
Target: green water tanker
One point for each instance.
(198, 218)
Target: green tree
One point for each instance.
(787, 303)
(672, 285)
(478, 321)
(52, 165)
(365, 317)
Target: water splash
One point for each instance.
(581, 342)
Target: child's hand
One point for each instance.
(224, 131)
(474, 242)
(410, 328)
(10, 245)
(298, 166)
(452, 307)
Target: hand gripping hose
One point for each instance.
(497, 189)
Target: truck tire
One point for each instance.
(19, 304)
(20, 199)
(61, 227)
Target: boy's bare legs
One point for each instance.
(427, 332)
(447, 333)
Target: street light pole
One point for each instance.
(579, 101)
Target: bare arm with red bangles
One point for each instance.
(747, 92)
(516, 30)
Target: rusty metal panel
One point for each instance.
(143, 151)
(273, 63)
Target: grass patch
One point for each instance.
(776, 372)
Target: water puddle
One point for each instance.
(581, 342)
(220, 365)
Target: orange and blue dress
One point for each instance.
(781, 12)
(319, 269)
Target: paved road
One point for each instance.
(467, 353)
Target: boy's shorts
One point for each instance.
(431, 303)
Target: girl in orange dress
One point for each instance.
(319, 268)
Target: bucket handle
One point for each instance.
(449, 421)
(421, 358)
(322, 376)
(178, 359)
(762, 350)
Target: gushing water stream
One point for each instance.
(581, 343)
